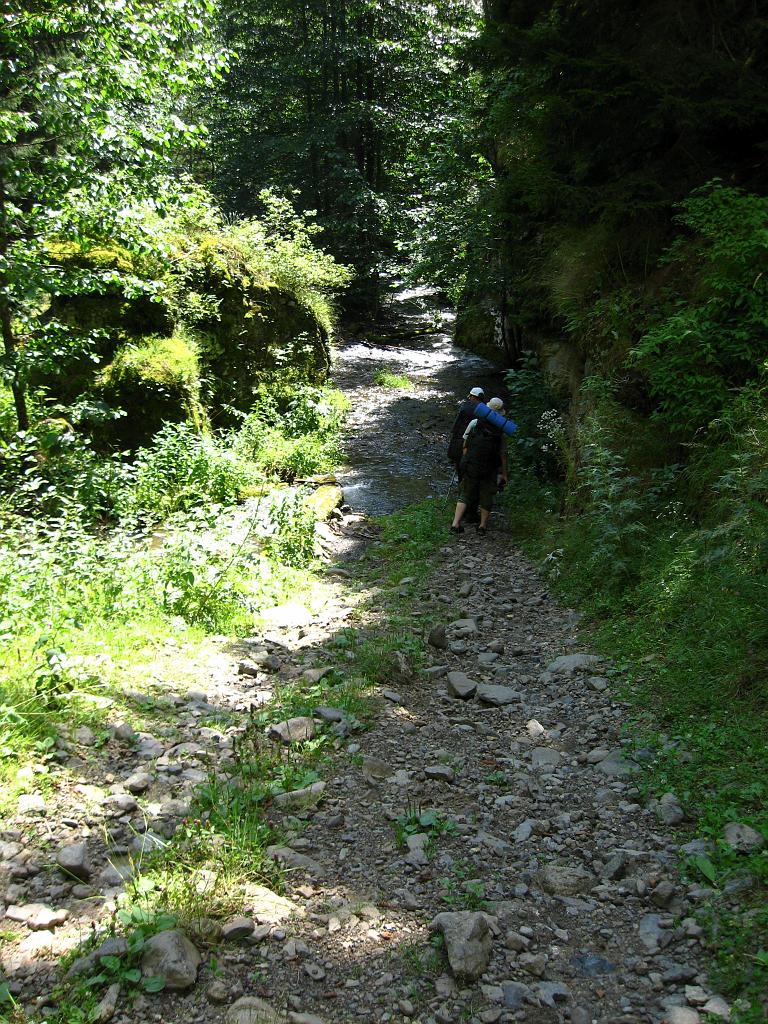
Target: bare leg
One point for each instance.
(461, 508)
(484, 513)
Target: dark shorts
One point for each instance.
(477, 492)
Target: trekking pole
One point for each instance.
(450, 484)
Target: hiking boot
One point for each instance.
(457, 529)
(481, 531)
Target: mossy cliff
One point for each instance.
(250, 326)
(176, 342)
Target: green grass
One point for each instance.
(389, 379)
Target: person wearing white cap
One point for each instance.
(465, 414)
(484, 466)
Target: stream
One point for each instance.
(396, 439)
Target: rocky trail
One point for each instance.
(481, 852)
(500, 767)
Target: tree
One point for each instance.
(91, 115)
(332, 100)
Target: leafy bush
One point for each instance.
(52, 471)
(293, 435)
(715, 339)
(183, 470)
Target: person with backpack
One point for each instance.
(465, 414)
(483, 468)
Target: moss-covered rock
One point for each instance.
(102, 310)
(256, 330)
(153, 381)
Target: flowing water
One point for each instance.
(396, 440)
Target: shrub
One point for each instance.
(715, 339)
(183, 470)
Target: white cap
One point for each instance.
(496, 404)
(477, 392)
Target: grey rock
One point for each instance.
(217, 992)
(650, 932)
(743, 838)
(314, 971)
(468, 941)
(487, 657)
(293, 859)
(124, 732)
(570, 663)
(293, 730)
(301, 798)
(304, 1018)
(718, 1007)
(497, 696)
(561, 880)
(615, 766)
(417, 852)
(615, 867)
(461, 686)
(581, 1015)
(173, 957)
(119, 804)
(669, 811)
(84, 736)
(314, 675)
(591, 965)
(523, 831)
(377, 770)
(74, 861)
(681, 1015)
(464, 627)
(139, 782)
(37, 916)
(251, 1010)
(545, 757)
(441, 772)
(553, 992)
(237, 928)
(31, 803)
(663, 894)
(106, 1008)
(516, 994)
(328, 714)
(393, 696)
(437, 638)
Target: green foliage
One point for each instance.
(115, 133)
(390, 379)
(417, 820)
(183, 470)
(714, 339)
(332, 105)
(294, 434)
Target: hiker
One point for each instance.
(483, 468)
(465, 414)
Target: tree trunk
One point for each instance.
(6, 324)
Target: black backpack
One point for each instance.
(482, 459)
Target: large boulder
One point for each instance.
(154, 380)
(253, 329)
